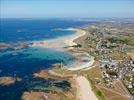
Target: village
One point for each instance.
(113, 46)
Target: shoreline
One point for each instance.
(60, 42)
(84, 90)
(84, 66)
(67, 41)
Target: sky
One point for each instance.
(66, 8)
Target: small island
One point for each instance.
(4, 81)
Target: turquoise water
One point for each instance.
(45, 53)
(24, 62)
(19, 30)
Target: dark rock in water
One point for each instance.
(63, 84)
(5, 46)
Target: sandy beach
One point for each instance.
(60, 43)
(83, 60)
(84, 90)
(82, 65)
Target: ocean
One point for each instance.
(24, 62)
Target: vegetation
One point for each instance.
(128, 40)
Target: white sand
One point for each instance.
(61, 42)
(82, 65)
(84, 90)
(65, 41)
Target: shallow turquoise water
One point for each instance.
(24, 62)
(46, 53)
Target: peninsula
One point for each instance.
(101, 51)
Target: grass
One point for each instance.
(122, 39)
(93, 75)
(118, 92)
(99, 93)
(117, 55)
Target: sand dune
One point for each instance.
(84, 90)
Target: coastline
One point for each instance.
(61, 43)
(84, 89)
(84, 66)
